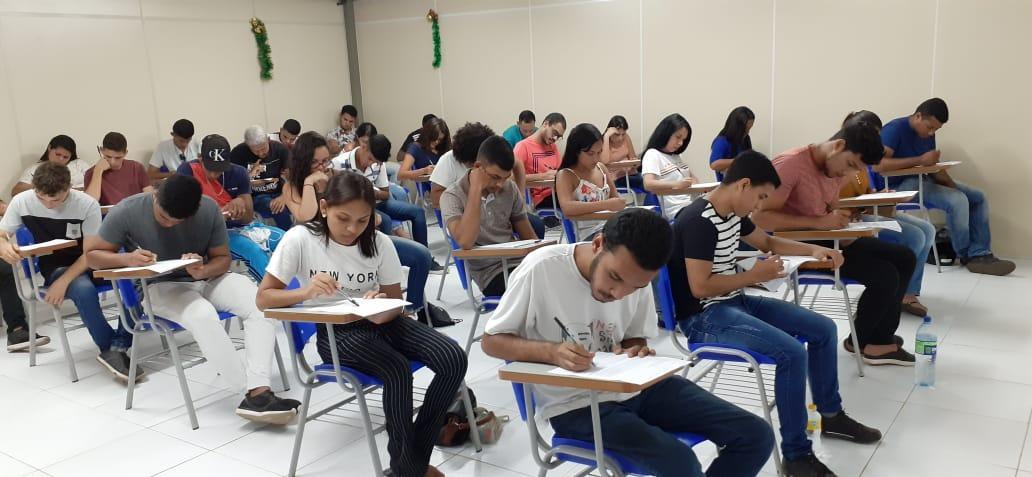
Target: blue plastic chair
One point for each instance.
(818, 279)
(481, 305)
(140, 322)
(719, 353)
(355, 383)
(448, 259)
(34, 292)
(562, 449)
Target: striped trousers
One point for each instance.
(384, 351)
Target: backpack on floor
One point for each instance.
(456, 428)
(947, 256)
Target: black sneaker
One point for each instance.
(18, 340)
(551, 221)
(807, 466)
(841, 426)
(439, 315)
(268, 408)
(990, 265)
(117, 363)
(436, 267)
(847, 343)
(900, 357)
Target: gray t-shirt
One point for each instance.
(498, 212)
(133, 218)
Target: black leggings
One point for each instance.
(884, 269)
(384, 351)
(14, 314)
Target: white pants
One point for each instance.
(193, 305)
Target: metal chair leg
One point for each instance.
(472, 330)
(444, 274)
(131, 384)
(370, 437)
(716, 376)
(31, 309)
(471, 417)
(282, 368)
(762, 387)
(850, 316)
(174, 350)
(301, 421)
(62, 334)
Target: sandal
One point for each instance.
(916, 308)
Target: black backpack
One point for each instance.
(947, 256)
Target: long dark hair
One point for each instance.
(735, 130)
(618, 122)
(434, 130)
(365, 130)
(301, 159)
(341, 189)
(63, 142)
(581, 138)
(666, 128)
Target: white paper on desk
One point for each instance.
(511, 245)
(907, 194)
(366, 307)
(620, 368)
(948, 163)
(876, 225)
(789, 263)
(48, 243)
(705, 185)
(163, 266)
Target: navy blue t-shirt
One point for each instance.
(723, 149)
(904, 142)
(234, 181)
(422, 158)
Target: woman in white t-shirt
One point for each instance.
(341, 252)
(61, 150)
(583, 185)
(661, 166)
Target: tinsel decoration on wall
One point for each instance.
(435, 26)
(261, 38)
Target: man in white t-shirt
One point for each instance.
(597, 296)
(170, 153)
(453, 165)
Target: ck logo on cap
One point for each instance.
(216, 155)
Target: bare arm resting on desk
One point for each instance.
(771, 217)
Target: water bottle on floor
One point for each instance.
(925, 348)
(813, 421)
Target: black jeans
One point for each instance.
(885, 270)
(14, 314)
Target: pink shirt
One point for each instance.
(807, 191)
(537, 158)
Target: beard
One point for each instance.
(595, 293)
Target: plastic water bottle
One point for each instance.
(813, 421)
(925, 349)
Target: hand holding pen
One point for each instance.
(140, 256)
(570, 354)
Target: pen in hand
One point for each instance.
(567, 336)
(347, 297)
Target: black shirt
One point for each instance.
(701, 233)
(274, 163)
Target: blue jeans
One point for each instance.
(767, 326)
(399, 210)
(417, 258)
(392, 171)
(398, 192)
(918, 235)
(83, 292)
(261, 205)
(967, 215)
(639, 429)
(255, 255)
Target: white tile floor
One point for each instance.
(976, 422)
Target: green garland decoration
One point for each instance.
(261, 38)
(435, 26)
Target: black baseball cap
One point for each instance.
(215, 153)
